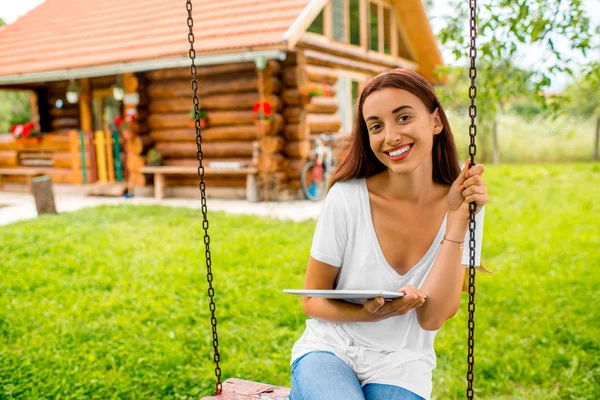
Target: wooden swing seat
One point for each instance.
(239, 389)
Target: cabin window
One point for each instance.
(317, 25)
(373, 27)
(347, 96)
(354, 17)
(387, 30)
(339, 20)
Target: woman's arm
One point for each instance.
(444, 283)
(445, 280)
(320, 275)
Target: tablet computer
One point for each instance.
(346, 294)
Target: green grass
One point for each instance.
(111, 302)
(538, 141)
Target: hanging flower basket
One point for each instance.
(203, 115)
(26, 133)
(262, 114)
(311, 89)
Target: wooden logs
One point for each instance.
(291, 97)
(323, 123)
(213, 102)
(216, 118)
(333, 61)
(297, 149)
(271, 163)
(292, 115)
(271, 144)
(241, 132)
(62, 160)
(9, 158)
(202, 71)
(64, 112)
(246, 83)
(65, 123)
(290, 76)
(214, 149)
(193, 162)
(322, 105)
(296, 131)
(293, 167)
(321, 74)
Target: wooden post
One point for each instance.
(260, 67)
(110, 162)
(41, 188)
(85, 105)
(101, 157)
(159, 186)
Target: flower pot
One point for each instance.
(155, 163)
(263, 127)
(203, 123)
(30, 141)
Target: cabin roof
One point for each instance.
(61, 36)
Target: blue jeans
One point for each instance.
(321, 375)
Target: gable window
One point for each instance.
(373, 27)
(354, 17)
(317, 25)
(338, 16)
(369, 24)
(387, 30)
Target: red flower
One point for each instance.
(256, 107)
(118, 121)
(267, 108)
(129, 117)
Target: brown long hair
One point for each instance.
(360, 161)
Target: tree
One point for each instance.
(504, 26)
(510, 82)
(583, 99)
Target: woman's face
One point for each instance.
(401, 129)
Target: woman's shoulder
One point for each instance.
(347, 188)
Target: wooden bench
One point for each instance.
(28, 173)
(160, 172)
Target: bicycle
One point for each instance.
(318, 168)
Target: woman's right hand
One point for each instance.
(380, 309)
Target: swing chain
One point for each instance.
(472, 206)
(200, 157)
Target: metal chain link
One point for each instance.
(472, 206)
(200, 157)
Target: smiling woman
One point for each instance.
(395, 219)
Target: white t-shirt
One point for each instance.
(396, 350)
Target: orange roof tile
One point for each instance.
(64, 34)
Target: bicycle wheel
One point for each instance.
(312, 181)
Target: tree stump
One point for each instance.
(41, 188)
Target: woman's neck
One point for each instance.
(416, 187)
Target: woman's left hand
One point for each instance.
(468, 187)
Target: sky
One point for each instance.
(15, 9)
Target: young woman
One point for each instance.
(396, 218)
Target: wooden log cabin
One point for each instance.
(246, 51)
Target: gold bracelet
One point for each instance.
(460, 244)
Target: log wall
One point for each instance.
(64, 119)
(305, 118)
(228, 94)
(52, 155)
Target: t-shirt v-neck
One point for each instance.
(368, 217)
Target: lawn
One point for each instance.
(111, 302)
